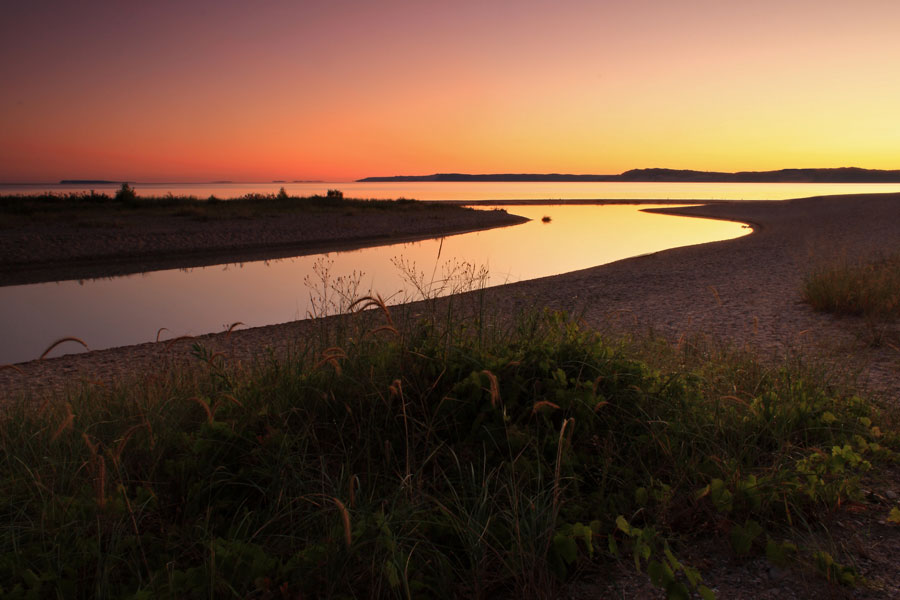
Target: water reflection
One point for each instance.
(128, 310)
(481, 190)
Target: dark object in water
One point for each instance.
(545, 220)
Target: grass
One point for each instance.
(17, 208)
(868, 288)
(438, 456)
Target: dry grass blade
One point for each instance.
(127, 436)
(101, 481)
(388, 328)
(396, 389)
(231, 328)
(171, 342)
(62, 341)
(13, 367)
(98, 463)
(214, 356)
(354, 483)
(206, 409)
(345, 517)
(159, 331)
(543, 404)
(233, 399)
(66, 424)
(494, 389)
(331, 356)
(91, 446)
(736, 400)
(559, 450)
(375, 301)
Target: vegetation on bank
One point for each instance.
(448, 455)
(126, 201)
(868, 288)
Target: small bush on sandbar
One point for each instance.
(126, 194)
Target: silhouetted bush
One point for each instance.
(126, 193)
(335, 195)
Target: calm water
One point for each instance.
(495, 191)
(129, 310)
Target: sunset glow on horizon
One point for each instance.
(340, 90)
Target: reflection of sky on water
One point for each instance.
(129, 310)
(482, 190)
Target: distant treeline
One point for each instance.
(840, 175)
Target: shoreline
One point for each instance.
(743, 291)
(46, 252)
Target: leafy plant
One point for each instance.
(419, 456)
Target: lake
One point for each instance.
(491, 190)
(131, 309)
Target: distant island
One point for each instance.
(838, 175)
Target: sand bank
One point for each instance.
(53, 250)
(744, 291)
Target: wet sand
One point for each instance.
(744, 292)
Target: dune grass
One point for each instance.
(441, 456)
(130, 202)
(868, 288)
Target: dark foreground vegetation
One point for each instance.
(449, 455)
(127, 202)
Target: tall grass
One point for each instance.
(432, 457)
(128, 201)
(868, 288)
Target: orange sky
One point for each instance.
(337, 90)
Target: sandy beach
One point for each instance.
(92, 246)
(744, 291)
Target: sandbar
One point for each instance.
(744, 292)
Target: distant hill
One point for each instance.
(494, 177)
(839, 175)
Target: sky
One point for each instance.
(337, 90)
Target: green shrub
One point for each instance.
(434, 458)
